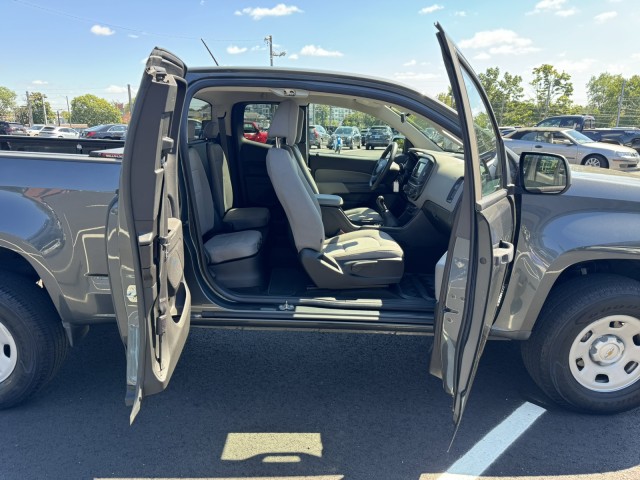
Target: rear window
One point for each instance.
(49, 128)
(344, 130)
(379, 130)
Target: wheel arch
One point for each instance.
(30, 265)
(570, 265)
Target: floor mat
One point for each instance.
(288, 282)
(416, 285)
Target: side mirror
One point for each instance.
(544, 173)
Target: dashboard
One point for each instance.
(433, 183)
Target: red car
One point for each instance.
(253, 132)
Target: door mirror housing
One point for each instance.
(544, 173)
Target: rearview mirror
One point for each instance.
(544, 173)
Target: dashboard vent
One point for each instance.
(454, 190)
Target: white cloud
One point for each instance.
(431, 9)
(410, 63)
(257, 48)
(102, 31)
(499, 42)
(482, 56)
(414, 76)
(40, 82)
(567, 13)
(294, 57)
(547, 6)
(131, 35)
(635, 56)
(460, 13)
(604, 16)
(575, 66)
(258, 13)
(313, 51)
(115, 89)
(235, 50)
(202, 2)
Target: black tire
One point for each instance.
(27, 313)
(570, 309)
(596, 161)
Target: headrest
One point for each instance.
(285, 122)
(191, 132)
(211, 129)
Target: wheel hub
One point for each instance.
(606, 350)
(8, 353)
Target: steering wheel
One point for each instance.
(383, 165)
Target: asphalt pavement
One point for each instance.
(272, 405)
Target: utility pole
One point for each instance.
(546, 107)
(29, 106)
(68, 109)
(58, 117)
(44, 108)
(129, 91)
(269, 41)
(620, 102)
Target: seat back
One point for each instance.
(201, 193)
(294, 192)
(219, 168)
(297, 155)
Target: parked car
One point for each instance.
(628, 136)
(58, 132)
(350, 136)
(314, 139)
(507, 130)
(574, 146)
(252, 131)
(324, 135)
(109, 131)
(379, 136)
(363, 136)
(33, 130)
(577, 122)
(12, 128)
(486, 244)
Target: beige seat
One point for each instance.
(356, 259)
(357, 216)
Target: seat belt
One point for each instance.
(223, 136)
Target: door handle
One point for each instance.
(503, 254)
(538, 146)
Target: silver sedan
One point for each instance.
(574, 146)
(58, 132)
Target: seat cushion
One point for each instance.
(247, 218)
(362, 245)
(227, 247)
(363, 215)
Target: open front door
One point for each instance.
(146, 255)
(480, 247)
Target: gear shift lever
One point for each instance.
(388, 220)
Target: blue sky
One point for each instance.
(75, 47)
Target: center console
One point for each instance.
(419, 176)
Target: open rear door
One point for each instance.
(145, 248)
(480, 247)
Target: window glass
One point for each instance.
(489, 166)
(199, 115)
(257, 120)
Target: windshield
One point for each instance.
(577, 136)
(438, 137)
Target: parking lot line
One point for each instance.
(493, 444)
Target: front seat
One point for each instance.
(356, 259)
(357, 216)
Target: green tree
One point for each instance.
(447, 98)
(37, 100)
(93, 110)
(603, 93)
(7, 102)
(552, 90)
(22, 114)
(504, 94)
(359, 119)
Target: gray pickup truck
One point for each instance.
(452, 236)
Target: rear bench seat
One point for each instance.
(234, 258)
